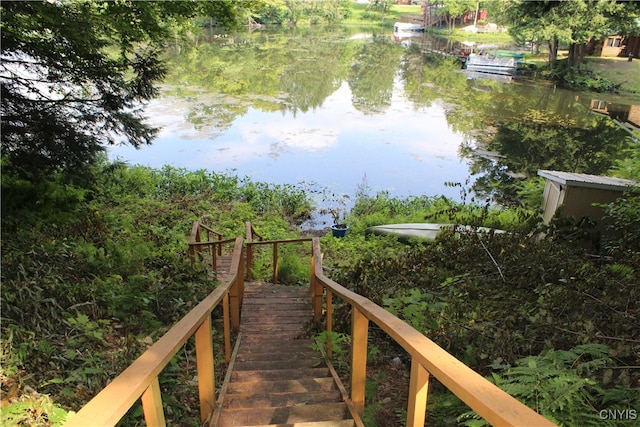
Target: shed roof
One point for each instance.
(588, 181)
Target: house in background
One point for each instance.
(627, 116)
(615, 46)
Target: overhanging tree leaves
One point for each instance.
(572, 23)
(75, 75)
(455, 8)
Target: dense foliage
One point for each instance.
(75, 75)
(92, 276)
(571, 23)
(555, 312)
(94, 270)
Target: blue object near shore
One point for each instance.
(339, 230)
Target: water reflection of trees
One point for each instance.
(294, 72)
(314, 69)
(564, 137)
(428, 77)
(513, 130)
(272, 72)
(531, 125)
(527, 146)
(372, 74)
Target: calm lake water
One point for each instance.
(334, 107)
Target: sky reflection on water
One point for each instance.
(404, 150)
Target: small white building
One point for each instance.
(576, 193)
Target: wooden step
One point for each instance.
(279, 374)
(269, 345)
(335, 423)
(284, 414)
(288, 315)
(277, 379)
(289, 353)
(257, 365)
(282, 399)
(259, 329)
(293, 358)
(282, 386)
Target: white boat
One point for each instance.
(488, 60)
(491, 64)
(407, 27)
(424, 231)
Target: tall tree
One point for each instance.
(381, 6)
(572, 23)
(74, 75)
(453, 9)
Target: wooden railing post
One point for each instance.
(275, 263)
(359, 337)
(214, 258)
(234, 300)
(249, 262)
(312, 290)
(226, 328)
(317, 303)
(194, 238)
(316, 287)
(249, 249)
(204, 364)
(236, 291)
(418, 390)
(329, 322)
(152, 405)
(241, 273)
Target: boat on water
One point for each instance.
(424, 231)
(488, 60)
(491, 64)
(407, 27)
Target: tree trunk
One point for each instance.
(475, 17)
(582, 53)
(553, 52)
(572, 55)
(577, 54)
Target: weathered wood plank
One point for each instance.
(277, 378)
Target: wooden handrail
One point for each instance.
(213, 242)
(251, 233)
(197, 244)
(250, 243)
(427, 358)
(140, 379)
(274, 245)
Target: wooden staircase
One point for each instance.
(275, 377)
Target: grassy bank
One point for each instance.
(619, 71)
(361, 14)
(91, 276)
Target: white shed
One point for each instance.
(577, 192)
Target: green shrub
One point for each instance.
(560, 385)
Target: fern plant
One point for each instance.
(559, 385)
